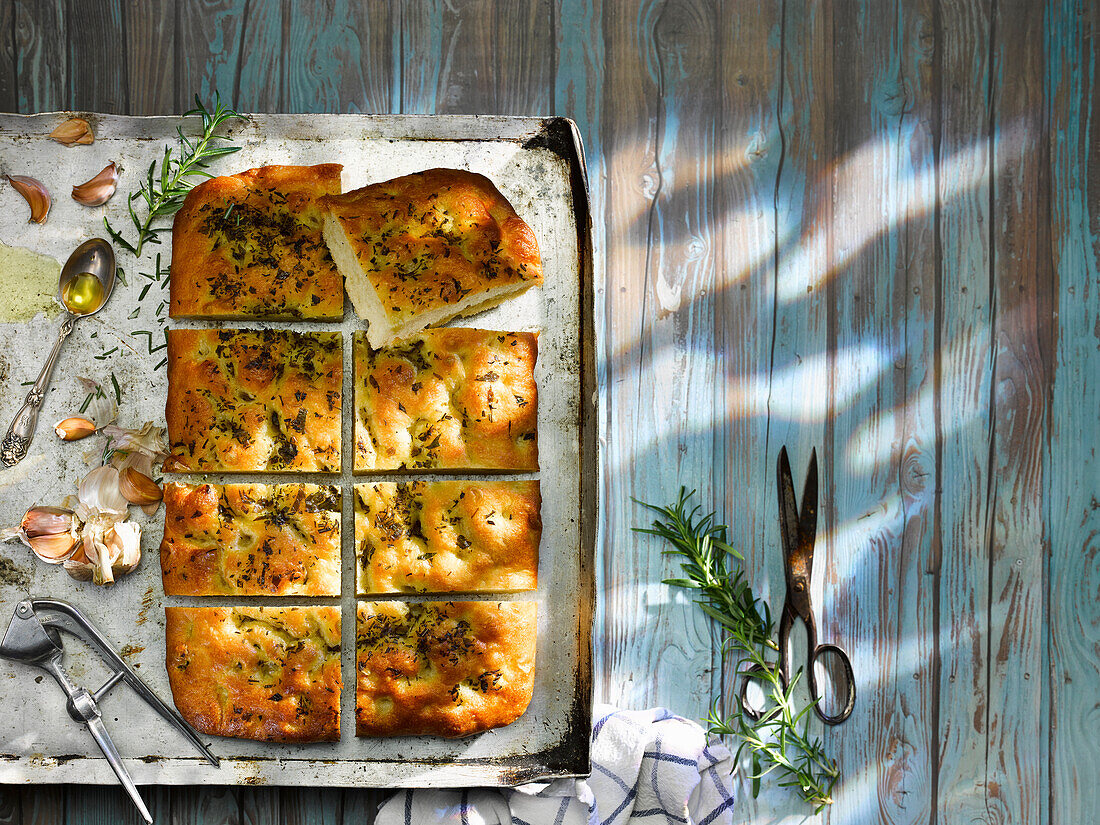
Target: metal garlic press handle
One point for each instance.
(33, 638)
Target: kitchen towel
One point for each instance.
(648, 767)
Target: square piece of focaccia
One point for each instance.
(451, 398)
(267, 673)
(447, 536)
(443, 668)
(250, 246)
(424, 248)
(261, 400)
(251, 540)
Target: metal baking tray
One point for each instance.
(539, 165)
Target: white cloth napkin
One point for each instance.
(648, 767)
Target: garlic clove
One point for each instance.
(74, 131)
(138, 488)
(34, 193)
(99, 189)
(74, 428)
(50, 533)
(78, 565)
(47, 521)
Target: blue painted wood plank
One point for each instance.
(1016, 770)
(205, 806)
(9, 93)
(209, 51)
(880, 445)
(152, 81)
(1072, 91)
(338, 57)
(749, 155)
(658, 125)
(312, 806)
(964, 415)
(110, 805)
(40, 55)
(97, 76)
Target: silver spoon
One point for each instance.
(84, 286)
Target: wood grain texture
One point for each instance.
(1015, 770)
(152, 82)
(964, 184)
(870, 227)
(98, 78)
(1073, 98)
(339, 58)
(41, 77)
(877, 528)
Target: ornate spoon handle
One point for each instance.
(15, 444)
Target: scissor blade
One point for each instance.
(788, 508)
(807, 520)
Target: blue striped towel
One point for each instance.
(648, 767)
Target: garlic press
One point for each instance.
(32, 637)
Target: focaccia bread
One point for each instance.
(447, 536)
(267, 673)
(250, 246)
(262, 400)
(443, 668)
(424, 248)
(451, 398)
(251, 540)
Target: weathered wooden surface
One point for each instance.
(870, 227)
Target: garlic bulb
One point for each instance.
(99, 189)
(35, 194)
(99, 496)
(74, 131)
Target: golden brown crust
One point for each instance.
(250, 246)
(443, 668)
(262, 400)
(447, 536)
(447, 399)
(267, 673)
(429, 245)
(251, 540)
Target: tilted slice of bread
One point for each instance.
(425, 248)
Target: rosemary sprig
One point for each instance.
(779, 740)
(165, 188)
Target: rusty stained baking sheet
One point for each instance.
(538, 164)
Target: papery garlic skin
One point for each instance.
(106, 552)
(99, 189)
(36, 195)
(99, 496)
(75, 131)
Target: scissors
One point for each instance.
(798, 530)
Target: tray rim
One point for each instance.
(570, 758)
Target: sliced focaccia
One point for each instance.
(443, 668)
(424, 248)
(250, 246)
(261, 400)
(267, 673)
(447, 536)
(251, 540)
(452, 398)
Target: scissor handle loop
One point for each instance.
(755, 674)
(849, 681)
